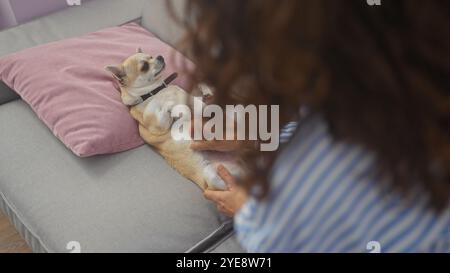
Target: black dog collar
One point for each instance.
(155, 91)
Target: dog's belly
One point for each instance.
(200, 167)
(218, 157)
(187, 162)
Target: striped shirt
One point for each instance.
(327, 196)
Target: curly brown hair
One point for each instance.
(379, 75)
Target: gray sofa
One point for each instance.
(53, 197)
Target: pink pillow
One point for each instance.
(67, 87)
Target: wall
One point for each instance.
(13, 12)
(7, 17)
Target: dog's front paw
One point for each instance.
(130, 101)
(137, 115)
(207, 93)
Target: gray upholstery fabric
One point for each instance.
(6, 94)
(130, 202)
(71, 22)
(31, 240)
(155, 17)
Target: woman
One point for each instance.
(369, 163)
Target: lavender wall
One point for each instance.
(13, 12)
(7, 17)
(26, 10)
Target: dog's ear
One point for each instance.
(139, 50)
(117, 71)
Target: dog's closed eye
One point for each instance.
(145, 66)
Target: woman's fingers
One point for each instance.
(226, 176)
(222, 209)
(229, 201)
(214, 145)
(214, 196)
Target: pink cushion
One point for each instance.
(67, 87)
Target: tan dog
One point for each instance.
(139, 75)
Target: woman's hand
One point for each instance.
(228, 202)
(217, 145)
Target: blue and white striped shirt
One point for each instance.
(326, 196)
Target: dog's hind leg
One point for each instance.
(197, 177)
(149, 137)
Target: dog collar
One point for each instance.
(155, 91)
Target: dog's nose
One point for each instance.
(160, 59)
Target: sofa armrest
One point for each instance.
(71, 22)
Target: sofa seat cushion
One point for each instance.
(128, 202)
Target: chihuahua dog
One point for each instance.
(151, 100)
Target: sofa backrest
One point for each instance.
(156, 18)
